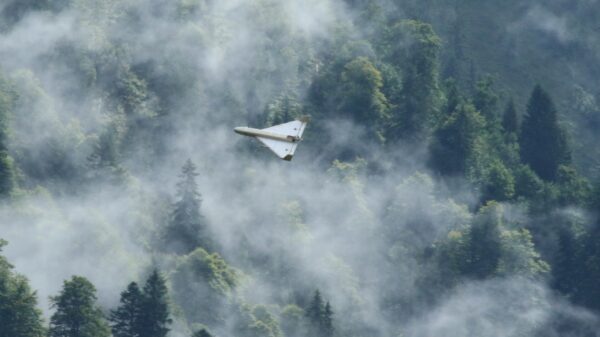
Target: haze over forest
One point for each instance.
(448, 183)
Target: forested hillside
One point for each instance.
(448, 183)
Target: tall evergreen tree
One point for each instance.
(543, 142)
(155, 316)
(19, 316)
(186, 230)
(327, 321)
(420, 95)
(565, 271)
(320, 317)
(126, 319)
(315, 308)
(77, 314)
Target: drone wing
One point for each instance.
(284, 149)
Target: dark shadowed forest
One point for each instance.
(448, 183)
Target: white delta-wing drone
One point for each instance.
(282, 139)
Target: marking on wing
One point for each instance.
(280, 148)
(292, 128)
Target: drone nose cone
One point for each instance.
(237, 130)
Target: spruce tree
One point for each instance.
(155, 316)
(587, 291)
(315, 308)
(186, 230)
(565, 271)
(77, 314)
(327, 321)
(320, 317)
(543, 142)
(126, 319)
(420, 95)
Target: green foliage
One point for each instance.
(454, 143)
(187, 228)
(292, 321)
(500, 183)
(519, 256)
(254, 321)
(453, 98)
(510, 120)
(155, 315)
(76, 313)
(586, 291)
(527, 183)
(121, 107)
(486, 100)
(7, 103)
(202, 284)
(543, 142)
(484, 237)
(419, 99)
(566, 267)
(488, 248)
(126, 319)
(264, 323)
(361, 95)
(319, 317)
(283, 109)
(7, 175)
(573, 188)
(19, 315)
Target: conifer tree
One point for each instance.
(19, 316)
(155, 316)
(126, 319)
(565, 273)
(543, 142)
(320, 317)
(186, 230)
(77, 314)
(587, 290)
(420, 94)
(315, 308)
(327, 322)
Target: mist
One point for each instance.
(349, 228)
